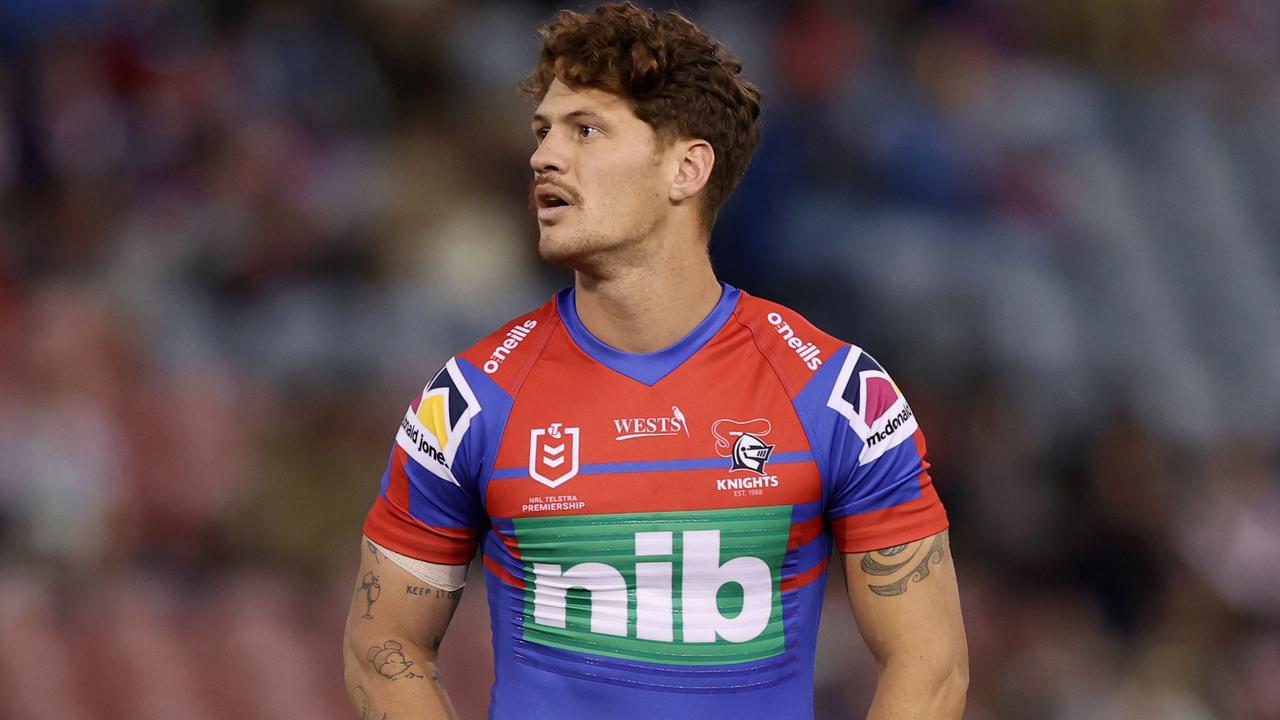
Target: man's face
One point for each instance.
(600, 181)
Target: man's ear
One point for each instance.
(694, 171)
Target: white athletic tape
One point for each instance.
(445, 577)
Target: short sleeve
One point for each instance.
(429, 505)
(880, 493)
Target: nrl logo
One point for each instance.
(553, 454)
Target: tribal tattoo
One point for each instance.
(914, 567)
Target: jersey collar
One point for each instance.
(646, 368)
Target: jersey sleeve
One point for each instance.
(429, 505)
(879, 491)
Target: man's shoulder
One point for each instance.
(459, 398)
(506, 354)
(795, 347)
(831, 380)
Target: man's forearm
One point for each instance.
(919, 692)
(392, 678)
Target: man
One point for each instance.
(656, 464)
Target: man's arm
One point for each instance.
(907, 607)
(393, 632)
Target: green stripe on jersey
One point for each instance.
(688, 588)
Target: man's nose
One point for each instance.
(550, 156)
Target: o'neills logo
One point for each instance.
(890, 426)
(811, 354)
(512, 341)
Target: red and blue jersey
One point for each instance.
(656, 528)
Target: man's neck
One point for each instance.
(647, 307)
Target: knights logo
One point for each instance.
(750, 453)
(740, 441)
(553, 454)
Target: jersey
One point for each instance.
(656, 528)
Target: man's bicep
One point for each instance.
(389, 601)
(905, 599)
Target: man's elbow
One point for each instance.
(951, 686)
(939, 681)
(352, 665)
(958, 684)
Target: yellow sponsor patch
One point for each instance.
(431, 412)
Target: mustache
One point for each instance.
(539, 181)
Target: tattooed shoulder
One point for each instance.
(895, 568)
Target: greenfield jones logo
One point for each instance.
(890, 426)
(510, 343)
(811, 354)
(418, 437)
(702, 574)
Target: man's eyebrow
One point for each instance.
(575, 115)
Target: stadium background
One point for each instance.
(237, 237)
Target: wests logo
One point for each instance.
(636, 427)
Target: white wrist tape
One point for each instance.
(445, 577)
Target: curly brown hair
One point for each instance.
(677, 78)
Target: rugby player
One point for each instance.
(655, 466)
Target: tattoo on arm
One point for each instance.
(371, 588)
(389, 660)
(430, 592)
(361, 699)
(885, 564)
(373, 550)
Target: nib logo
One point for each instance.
(553, 454)
(696, 588)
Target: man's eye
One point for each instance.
(540, 133)
(585, 131)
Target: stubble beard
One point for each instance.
(581, 250)
(595, 251)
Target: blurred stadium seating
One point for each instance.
(237, 236)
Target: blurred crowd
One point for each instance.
(236, 237)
